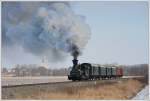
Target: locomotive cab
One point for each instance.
(85, 71)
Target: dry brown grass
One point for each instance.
(122, 90)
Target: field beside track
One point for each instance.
(103, 89)
(6, 81)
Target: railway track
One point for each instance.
(69, 82)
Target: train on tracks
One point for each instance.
(88, 71)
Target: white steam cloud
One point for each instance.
(44, 28)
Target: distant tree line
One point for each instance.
(23, 70)
(33, 70)
(136, 70)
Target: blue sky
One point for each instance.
(119, 34)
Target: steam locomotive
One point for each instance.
(87, 71)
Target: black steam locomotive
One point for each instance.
(87, 71)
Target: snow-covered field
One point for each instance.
(143, 94)
(31, 80)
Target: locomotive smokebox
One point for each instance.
(75, 62)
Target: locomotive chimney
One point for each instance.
(75, 61)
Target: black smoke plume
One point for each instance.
(49, 29)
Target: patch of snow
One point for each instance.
(143, 94)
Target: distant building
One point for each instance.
(44, 62)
